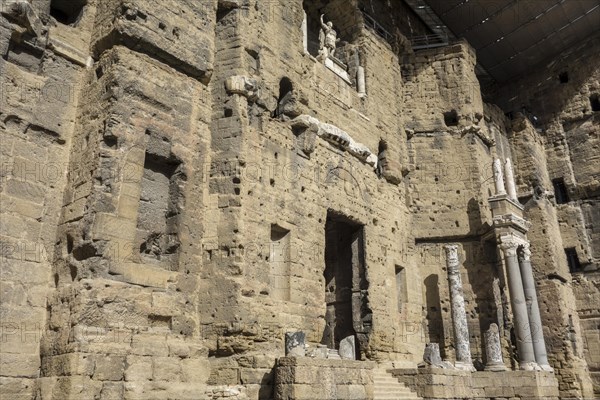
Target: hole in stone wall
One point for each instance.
(279, 261)
(560, 191)
(83, 252)
(73, 270)
(286, 92)
(222, 12)
(67, 12)
(563, 77)
(381, 157)
(160, 321)
(253, 59)
(159, 209)
(228, 113)
(573, 259)
(99, 73)
(451, 118)
(595, 102)
(69, 244)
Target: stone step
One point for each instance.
(386, 387)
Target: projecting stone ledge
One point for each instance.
(337, 137)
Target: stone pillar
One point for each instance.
(305, 32)
(459, 315)
(493, 350)
(517, 297)
(360, 80)
(535, 320)
(510, 180)
(499, 178)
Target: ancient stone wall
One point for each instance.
(184, 182)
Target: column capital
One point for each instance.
(451, 257)
(525, 252)
(509, 246)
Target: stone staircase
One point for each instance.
(386, 387)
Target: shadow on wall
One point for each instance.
(475, 221)
(435, 324)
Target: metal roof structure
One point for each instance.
(513, 36)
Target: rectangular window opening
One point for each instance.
(560, 191)
(573, 260)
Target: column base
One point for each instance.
(546, 368)
(496, 367)
(463, 366)
(530, 366)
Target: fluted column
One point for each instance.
(533, 309)
(499, 177)
(510, 180)
(519, 307)
(459, 315)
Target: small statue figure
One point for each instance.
(327, 39)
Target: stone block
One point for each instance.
(166, 369)
(19, 365)
(195, 370)
(108, 368)
(138, 369)
(112, 391)
(256, 376)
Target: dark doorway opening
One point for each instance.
(346, 286)
(595, 102)
(573, 260)
(561, 193)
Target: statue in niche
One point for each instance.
(327, 39)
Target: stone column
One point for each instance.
(459, 315)
(305, 32)
(360, 80)
(493, 350)
(517, 297)
(535, 321)
(510, 180)
(499, 178)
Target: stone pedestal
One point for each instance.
(338, 68)
(459, 315)
(517, 297)
(295, 344)
(493, 350)
(535, 321)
